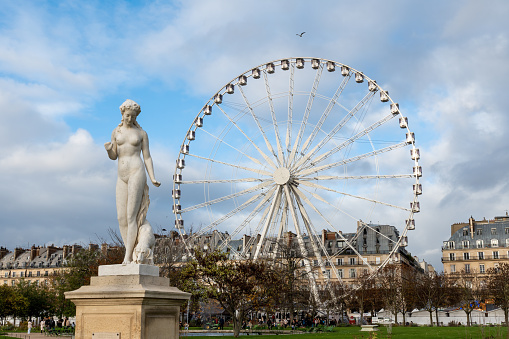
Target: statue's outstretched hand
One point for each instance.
(156, 183)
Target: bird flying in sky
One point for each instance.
(301, 34)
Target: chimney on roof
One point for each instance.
(17, 252)
(65, 251)
(3, 252)
(104, 249)
(75, 249)
(33, 252)
(471, 223)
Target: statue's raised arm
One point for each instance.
(128, 140)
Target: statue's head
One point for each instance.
(130, 104)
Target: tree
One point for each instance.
(433, 292)
(291, 293)
(390, 282)
(35, 299)
(364, 293)
(80, 267)
(408, 281)
(237, 285)
(498, 286)
(6, 301)
(470, 291)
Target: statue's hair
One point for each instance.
(130, 104)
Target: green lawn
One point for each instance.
(354, 332)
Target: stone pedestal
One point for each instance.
(127, 302)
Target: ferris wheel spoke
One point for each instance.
(283, 226)
(353, 139)
(300, 241)
(254, 212)
(231, 213)
(306, 114)
(265, 156)
(314, 185)
(312, 170)
(275, 202)
(258, 228)
(315, 242)
(357, 177)
(255, 118)
(325, 114)
(262, 172)
(234, 148)
(274, 120)
(288, 139)
(335, 130)
(231, 181)
(300, 194)
(227, 197)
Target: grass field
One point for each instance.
(354, 332)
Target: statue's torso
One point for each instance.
(129, 142)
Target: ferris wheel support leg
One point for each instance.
(300, 240)
(275, 202)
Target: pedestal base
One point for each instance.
(136, 305)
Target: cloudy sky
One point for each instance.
(66, 66)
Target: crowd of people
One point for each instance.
(49, 324)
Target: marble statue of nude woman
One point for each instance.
(128, 140)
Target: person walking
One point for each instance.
(42, 324)
(29, 325)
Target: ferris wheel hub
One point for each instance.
(281, 176)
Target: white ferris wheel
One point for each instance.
(298, 145)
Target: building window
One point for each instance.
(38, 274)
(315, 262)
(481, 269)
(480, 255)
(452, 256)
(22, 274)
(340, 273)
(327, 274)
(465, 243)
(495, 254)
(352, 273)
(493, 231)
(453, 268)
(352, 261)
(466, 256)
(14, 274)
(340, 244)
(465, 231)
(494, 242)
(13, 282)
(377, 260)
(507, 230)
(479, 231)
(507, 242)
(467, 268)
(340, 261)
(451, 245)
(479, 243)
